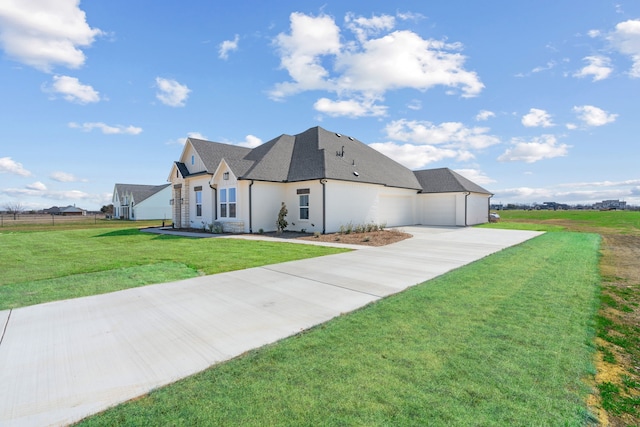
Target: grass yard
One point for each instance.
(56, 263)
(507, 340)
(617, 380)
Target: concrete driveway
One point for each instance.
(65, 360)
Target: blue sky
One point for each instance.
(535, 101)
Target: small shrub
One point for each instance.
(316, 234)
(261, 231)
(281, 221)
(366, 239)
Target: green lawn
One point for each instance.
(50, 265)
(507, 340)
(622, 222)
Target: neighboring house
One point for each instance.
(53, 210)
(327, 180)
(72, 211)
(610, 204)
(140, 202)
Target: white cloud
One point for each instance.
(64, 177)
(38, 189)
(415, 105)
(544, 147)
(45, 33)
(594, 116)
(349, 108)
(171, 92)
(476, 176)
(301, 53)
(626, 39)
(366, 27)
(598, 66)
(182, 140)
(37, 186)
(573, 192)
(414, 156)
(228, 46)
(7, 165)
(250, 141)
(316, 58)
(548, 66)
(403, 59)
(452, 134)
(484, 115)
(106, 129)
(536, 118)
(73, 91)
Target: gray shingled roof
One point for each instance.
(211, 153)
(313, 154)
(444, 180)
(138, 191)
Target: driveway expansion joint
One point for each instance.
(323, 283)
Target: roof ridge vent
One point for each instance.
(351, 138)
(338, 135)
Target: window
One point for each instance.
(304, 206)
(232, 203)
(199, 203)
(223, 203)
(228, 203)
(193, 160)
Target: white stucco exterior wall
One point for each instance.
(265, 205)
(358, 204)
(477, 209)
(154, 207)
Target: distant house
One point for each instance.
(141, 202)
(54, 210)
(610, 205)
(326, 180)
(72, 211)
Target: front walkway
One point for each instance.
(65, 360)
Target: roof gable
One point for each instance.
(138, 192)
(211, 153)
(444, 180)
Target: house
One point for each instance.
(139, 202)
(53, 210)
(610, 205)
(72, 211)
(326, 180)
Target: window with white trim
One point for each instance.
(303, 202)
(199, 202)
(227, 202)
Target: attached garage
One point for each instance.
(448, 198)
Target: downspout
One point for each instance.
(250, 216)
(466, 196)
(324, 209)
(214, 187)
(215, 204)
